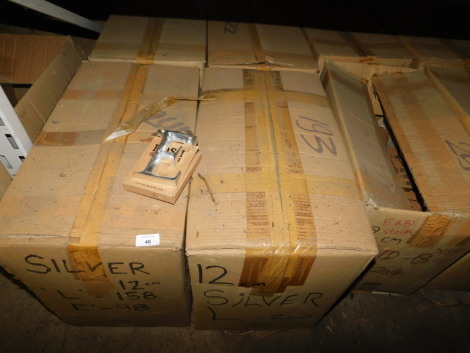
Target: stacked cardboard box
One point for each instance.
(34, 72)
(435, 51)
(92, 252)
(358, 48)
(456, 277)
(149, 40)
(431, 130)
(276, 228)
(258, 46)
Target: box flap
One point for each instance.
(433, 135)
(434, 50)
(350, 100)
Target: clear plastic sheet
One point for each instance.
(147, 112)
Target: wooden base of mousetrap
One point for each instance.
(167, 178)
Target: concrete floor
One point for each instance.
(428, 321)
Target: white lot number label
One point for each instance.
(147, 240)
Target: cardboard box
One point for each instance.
(333, 45)
(47, 63)
(456, 277)
(150, 40)
(5, 180)
(463, 46)
(414, 245)
(258, 46)
(92, 252)
(385, 49)
(276, 229)
(434, 51)
(352, 47)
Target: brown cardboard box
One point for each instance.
(435, 51)
(5, 180)
(92, 252)
(258, 46)
(352, 47)
(45, 62)
(414, 245)
(333, 45)
(456, 277)
(149, 40)
(463, 46)
(276, 229)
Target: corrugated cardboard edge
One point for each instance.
(37, 105)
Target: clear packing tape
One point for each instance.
(148, 111)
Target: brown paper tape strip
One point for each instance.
(246, 94)
(431, 231)
(284, 219)
(72, 138)
(85, 232)
(150, 41)
(253, 182)
(256, 43)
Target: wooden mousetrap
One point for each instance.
(165, 167)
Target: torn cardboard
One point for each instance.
(276, 228)
(92, 252)
(258, 46)
(414, 245)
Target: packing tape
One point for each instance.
(431, 231)
(71, 138)
(286, 215)
(184, 52)
(242, 94)
(256, 43)
(150, 41)
(253, 182)
(298, 61)
(85, 232)
(130, 125)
